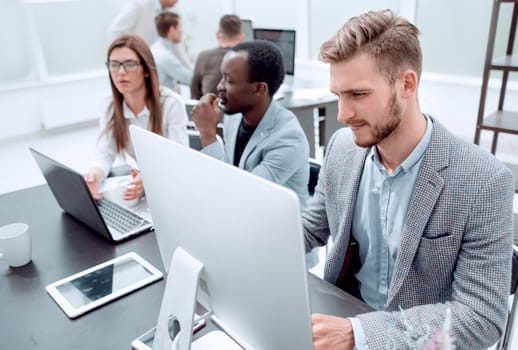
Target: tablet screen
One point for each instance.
(105, 281)
(100, 284)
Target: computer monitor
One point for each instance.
(285, 40)
(247, 29)
(245, 230)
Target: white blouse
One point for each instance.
(174, 126)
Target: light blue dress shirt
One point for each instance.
(378, 220)
(170, 68)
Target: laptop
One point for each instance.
(111, 220)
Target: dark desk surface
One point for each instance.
(62, 247)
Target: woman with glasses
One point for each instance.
(136, 99)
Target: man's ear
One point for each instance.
(410, 81)
(260, 88)
(170, 33)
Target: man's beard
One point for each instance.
(380, 132)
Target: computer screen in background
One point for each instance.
(285, 40)
(247, 29)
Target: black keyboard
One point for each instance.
(120, 218)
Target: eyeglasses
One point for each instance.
(129, 65)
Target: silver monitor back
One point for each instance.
(245, 230)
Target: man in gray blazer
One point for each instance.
(260, 135)
(431, 215)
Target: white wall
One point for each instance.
(38, 107)
(454, 102)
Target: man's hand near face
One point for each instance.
(206, 115)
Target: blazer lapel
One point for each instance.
(263, 130)
(348, 184)
(427, 189)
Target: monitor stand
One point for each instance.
(178, 304)
(182, 285)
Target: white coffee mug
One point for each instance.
(15, 244)
(115, 193)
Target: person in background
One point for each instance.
(260, 136)
(136, 99)
(138, 17)
(207, 70)
(430, 215)
(171, 71)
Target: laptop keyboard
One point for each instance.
(120, 218)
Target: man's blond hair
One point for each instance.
(390, 39)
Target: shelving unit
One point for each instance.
(500, 121)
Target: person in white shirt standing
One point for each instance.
(138, 17)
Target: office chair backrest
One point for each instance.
(314, 170)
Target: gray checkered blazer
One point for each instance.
(455, 248)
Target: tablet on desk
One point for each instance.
(100, 284)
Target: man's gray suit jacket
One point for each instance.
(455, 248)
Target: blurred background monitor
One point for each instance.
(247, 29)
(285, 40)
